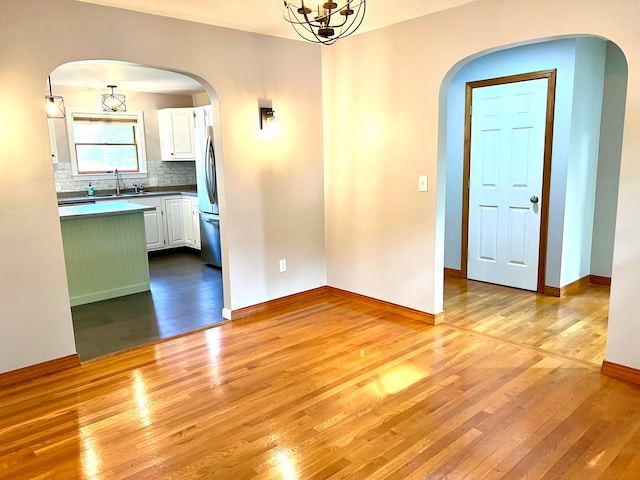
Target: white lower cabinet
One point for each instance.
(195, 215)
(154, 228)
(187, 217)
(153, 221)
(191, 217)
(175, 222)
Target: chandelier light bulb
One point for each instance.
(51, 107)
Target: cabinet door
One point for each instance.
(187, 216)
(203, 116)
(154, 223)
(175, 128)
(154, 229)
(175, 222)
(195, 215)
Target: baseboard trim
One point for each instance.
(551, 291)
(38, 370)
(108, 294)
(452, 273)
(277, 303)
(573, 286)
(577, 285)
(620, 372)
(600, 280)
(427, 318)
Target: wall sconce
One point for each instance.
(54, 105)
(114, 102)
(267, 115)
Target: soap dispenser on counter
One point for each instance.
(90, 190)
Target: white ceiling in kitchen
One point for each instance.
(126, 76)
(257, 16)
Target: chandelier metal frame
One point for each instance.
(114, 102)
(329, 23)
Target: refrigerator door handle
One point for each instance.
(210, 171)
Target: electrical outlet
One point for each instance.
(283, 265)
(153, 181)
(58, 187)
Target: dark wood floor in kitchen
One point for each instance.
(185, 295)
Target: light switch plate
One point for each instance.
(422, 183)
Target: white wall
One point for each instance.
(272, 203)
(582, 169)
(382, 96)
(612, 125)
(560, 55)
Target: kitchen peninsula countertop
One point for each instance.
(100, 210)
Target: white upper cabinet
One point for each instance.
(203, 116)
(175, 128)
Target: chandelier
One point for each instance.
(328, 22)
(54, 104)
(114, 102)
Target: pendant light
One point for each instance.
(54, 105)
(114, 102)
(328, 23)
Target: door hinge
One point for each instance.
(470, 110)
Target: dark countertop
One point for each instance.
(100, 210)
(70, 198)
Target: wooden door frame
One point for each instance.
(546, 168)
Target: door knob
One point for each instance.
(534, 199)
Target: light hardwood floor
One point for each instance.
(328, 388)
(574, 326)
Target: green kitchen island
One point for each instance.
(105, 250)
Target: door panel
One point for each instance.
(506, 171)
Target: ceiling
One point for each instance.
(257, 16)
(265, 16)
(126, 76)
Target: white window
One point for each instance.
(101, 142)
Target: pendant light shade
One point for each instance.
(328, 22)
(54, 105)
(114, 102)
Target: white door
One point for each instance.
(505, 182)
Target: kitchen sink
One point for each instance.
(126, 194)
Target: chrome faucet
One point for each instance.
(115, 172)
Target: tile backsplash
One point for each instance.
(165, 174)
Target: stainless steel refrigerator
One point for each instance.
(207, 196)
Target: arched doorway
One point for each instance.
(185, 294)
(589, 117)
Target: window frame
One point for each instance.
(134, 115)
